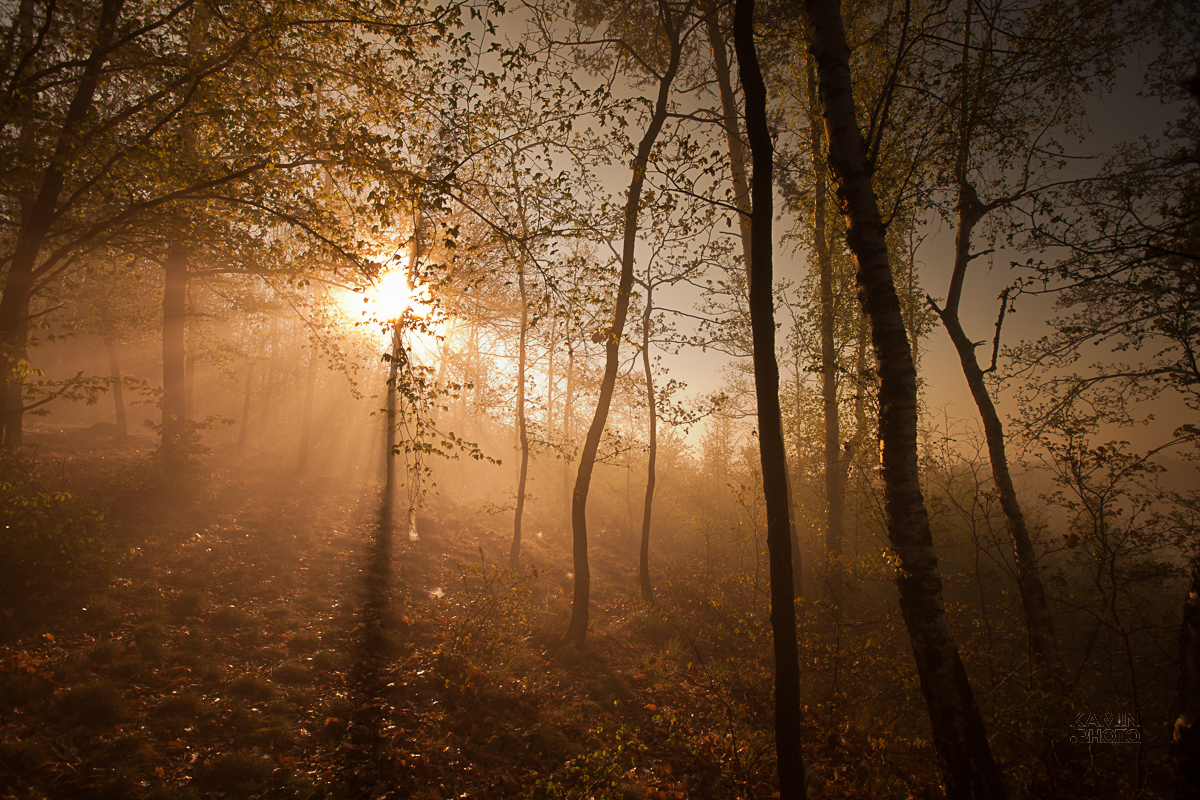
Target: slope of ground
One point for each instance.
(269, 640)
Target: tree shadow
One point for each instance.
(369, 765)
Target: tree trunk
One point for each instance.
(514, 554)
(741, 192)
(729, 121)
(550, 373)
(118, 389)
(834, 500)
(389, 445)
(568, 431)
(14, 412)
(770, 426)
(174, 401)
(970, 211)
(652, 456)
(274, 362)
(310, 392)
(1033, 596)
(189, 383)
(577, 629)
(245, 426)
(959, 736)
(37, 215)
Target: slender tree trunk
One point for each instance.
(243, 430)
(729, 121)
(174, 401)
(553, 343)
(970, 211)
(741, 192)
(310, 392)
(834, 500)
(514, 555)
(771, 448)
(568, 432)
(1033, 596)
(959, 736)
(273, 365)
(389, 446)
(652, 456)
(397, 354)
(118, 389)
(189, 382)
(577, 629)
(1185, 733)
(440, 381)
(14, 413)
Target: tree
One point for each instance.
(1007, 92)
(959, 736)
(673, 30)
(670, 261)
(770, 428)
(99, 105)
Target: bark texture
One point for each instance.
(959, 736)
(770, 426)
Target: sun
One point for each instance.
(391, 296)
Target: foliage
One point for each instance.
(53, 544)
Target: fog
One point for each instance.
(399, 401)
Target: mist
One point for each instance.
(599, 400)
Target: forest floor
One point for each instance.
(267, 640)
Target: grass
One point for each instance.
(99, 704)
(251, 687)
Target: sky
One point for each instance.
(1116, 117)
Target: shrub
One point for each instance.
(51, 543)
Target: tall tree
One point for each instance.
(835, 467)
(959, 736)
(673, 27)
(1020, 68)
(102, 97)
(770, 426)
